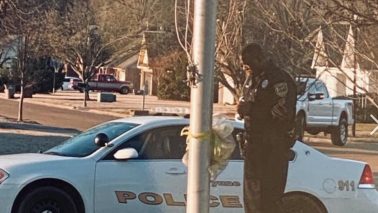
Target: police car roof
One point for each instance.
(148, 119)
(143, 120)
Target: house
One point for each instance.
(124, 68)
(155, 44)
(336, 63)
(344, 74)
(224, 94)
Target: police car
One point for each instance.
(134, 165)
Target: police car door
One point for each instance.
(155, 182)
(226, 191)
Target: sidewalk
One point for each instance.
(121, 108)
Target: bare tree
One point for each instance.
(23, 22)
(76, 39)
(229, 44)
(288, 29)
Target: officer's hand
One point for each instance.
(279, 110)
(242, 108)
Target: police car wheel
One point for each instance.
(298, 203)
(47, 200)
(339, 135)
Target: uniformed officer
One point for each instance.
(268, 109)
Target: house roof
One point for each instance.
(124, 56)
(154, 45)
(131, 61)
(336, 45)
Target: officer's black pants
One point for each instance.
(265, 174)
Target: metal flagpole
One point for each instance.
(201, 105)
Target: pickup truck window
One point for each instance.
(301, 88)
(101, 78)
(320, 88)
(312, 89)
(110, 78)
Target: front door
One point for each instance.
(155, 182)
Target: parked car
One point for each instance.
(135, 165)
(106, 82)
(318, 112)
(68, 82)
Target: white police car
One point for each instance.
(140, 170)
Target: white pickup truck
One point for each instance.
(318, 112)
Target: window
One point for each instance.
(164, 143)
(101, 78)
(323, 89)
(159, 143)
(110, 78)
(312, 89)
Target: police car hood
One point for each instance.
(11, 162)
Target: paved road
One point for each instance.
(52, 116)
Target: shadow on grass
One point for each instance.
(19, 143)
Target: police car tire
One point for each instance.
(47, 198)
(300, 203)
(339, 134)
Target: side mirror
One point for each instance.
(125, 154)
(315, 96)
(101, 139)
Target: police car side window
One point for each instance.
(236, 154)
(159, 143)
(171, 144)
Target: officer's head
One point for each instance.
(254, 56)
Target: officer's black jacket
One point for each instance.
(271, 87)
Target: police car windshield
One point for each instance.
(83, 144)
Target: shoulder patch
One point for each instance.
(281, 89)
(264, 84)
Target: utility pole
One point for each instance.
(354, 80)
(201, 100)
